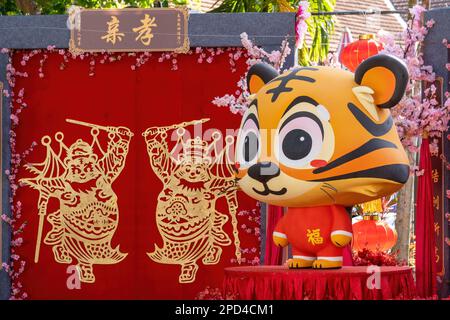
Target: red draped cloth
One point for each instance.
(347, 256)
(425, 234)
(347, 283)
(273, 253)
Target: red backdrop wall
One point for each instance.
(152, 95)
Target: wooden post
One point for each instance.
(405, 211)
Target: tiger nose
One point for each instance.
(264, 171)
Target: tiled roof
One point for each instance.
(203, 5)
(361, 24)
(358, 24)
(403, 5)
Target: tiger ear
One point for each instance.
(258, 75)
(386, 75)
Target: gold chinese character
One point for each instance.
(314, 236)
(437, 228)
(113, 33)
(145, 30)
(436, 202)
(435, 175)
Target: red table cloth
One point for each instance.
(347, 283)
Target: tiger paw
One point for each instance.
(341, 238)
(326, 264)
(280, 239)
(299, 263)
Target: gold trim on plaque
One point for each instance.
(74, 49)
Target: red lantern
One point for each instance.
(372, 234)
(356, 52)
(391, 237)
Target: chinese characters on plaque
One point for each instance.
(156, 29)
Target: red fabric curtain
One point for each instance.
(273, 254)
(425, 235)
(347, 256)
(348, 283)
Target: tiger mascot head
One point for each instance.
(316, 136)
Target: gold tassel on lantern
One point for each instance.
(373, 206)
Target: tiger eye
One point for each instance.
(251, 145)
(297, 144)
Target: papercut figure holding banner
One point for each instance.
(186, 215)
(81, 180)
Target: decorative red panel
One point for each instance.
(101, 192)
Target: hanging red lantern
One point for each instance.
(373, 234)
(356, 52)
(391, 237)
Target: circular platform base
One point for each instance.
(347, 283)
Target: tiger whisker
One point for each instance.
(329, 186)
(329, 195)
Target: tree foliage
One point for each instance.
(320, 27)
(14, 7)
(254, 5)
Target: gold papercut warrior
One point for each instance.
(186, 215)
(80, 177)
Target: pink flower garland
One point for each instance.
(417, 114)
(250, 256)
(252, 226)
(214, 294)
(238, 101)
(95, 58)
(301, 28)
(16, 265)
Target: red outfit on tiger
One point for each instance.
(309, 231)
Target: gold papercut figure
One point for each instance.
(80, 177)
(188, 221)
(145, 30)
(113, 33)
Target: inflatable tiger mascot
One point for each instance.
(317, 140)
